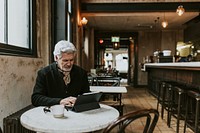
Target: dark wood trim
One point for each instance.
(138, 7)
(175, 68)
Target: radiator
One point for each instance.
(11, 123)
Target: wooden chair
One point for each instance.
(122, 122)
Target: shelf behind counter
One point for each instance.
(181, 72)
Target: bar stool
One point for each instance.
(192, 118)
(176, 106)
(161, 96)
(170, 97)
(164, 96)
(169, 104)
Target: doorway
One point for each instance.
(118, 61)
(129, 43)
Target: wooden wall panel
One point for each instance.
(196, 78)
(184, 77)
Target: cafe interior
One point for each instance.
(134, 44)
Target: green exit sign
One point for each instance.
(115, 39)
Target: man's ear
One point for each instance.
(56, 58)
(75, 54)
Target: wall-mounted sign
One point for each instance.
(115, 39)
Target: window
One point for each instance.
(69, 13)
(122, 62)
(17, 27)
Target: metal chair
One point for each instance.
(108, 81)
(122, 122)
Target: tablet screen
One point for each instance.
(87, 101)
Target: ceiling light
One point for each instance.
(116, 45)
(84, 21)
(164, 24)
(180, 10)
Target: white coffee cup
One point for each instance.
(58, 110)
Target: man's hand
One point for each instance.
(69, 101)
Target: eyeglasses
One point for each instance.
(46, 109)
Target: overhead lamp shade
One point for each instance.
(164, 24)
(180, 10)
(84, 21)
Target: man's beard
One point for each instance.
(66, 69)
(63, 69)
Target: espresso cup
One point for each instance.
(57, 110)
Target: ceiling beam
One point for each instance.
(138, 7)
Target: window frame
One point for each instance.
(9, 49)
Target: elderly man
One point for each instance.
(62, 81)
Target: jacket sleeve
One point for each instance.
(40, 94)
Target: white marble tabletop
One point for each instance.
(109, 89)
(36, 120)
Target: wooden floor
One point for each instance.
(139, 98)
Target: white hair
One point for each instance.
(63, 47)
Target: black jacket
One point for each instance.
(50, 88)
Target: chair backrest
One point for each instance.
(108, 81)
(122, 122)
(90, 80)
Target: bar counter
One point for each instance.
(181, 72)
(176, 65)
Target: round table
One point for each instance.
(36, 120)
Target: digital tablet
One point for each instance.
(87, 101)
